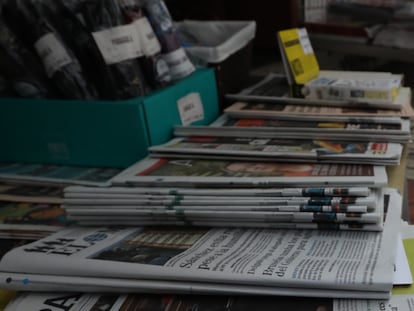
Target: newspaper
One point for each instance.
(285, 111)
(238, 192)
(166, 302)
(270, 217)
(215, 173)
(212, 202)
(402, 299)
(282, 149)
(301, 261)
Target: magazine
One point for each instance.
(53, 175)
(31, 193)
(269, 128)
(262, 108)
(24, 220)
(283, 149)
(215, 173)
(225, 126)
(275, 259)
(234, 157)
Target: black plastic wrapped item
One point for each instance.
(5, 90)
(80, 40)
(27, 19)
(153, 64)
(179, 64)
(103, 18)
(21, 68)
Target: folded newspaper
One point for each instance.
(401, 299)
(341, 264)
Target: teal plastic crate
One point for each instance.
(101, 133)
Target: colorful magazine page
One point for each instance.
(216, 173)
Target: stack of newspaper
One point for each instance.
(353, 208)
(401, 299)
(253, 261)
(235, 193)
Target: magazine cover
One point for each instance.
(224, 121)
(283, 149)
(31, 193)
(216, 173)
(48, 174)
(225, 126)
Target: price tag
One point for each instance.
(119, 43)
(53, 53)
(190, 108)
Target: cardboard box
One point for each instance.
(101, 133)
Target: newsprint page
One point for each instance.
(315, 263)
(402, 299)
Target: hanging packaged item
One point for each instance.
(80, 40)
(153, 64)
(176, 57)
(27, 19)
(118, 43)
(21, 68)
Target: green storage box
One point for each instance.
(164, 109)
(101, 133)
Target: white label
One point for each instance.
(190, 108)
(119, 43)
(149, 41)
(304, 41)
(179, 64)
(52, 52)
